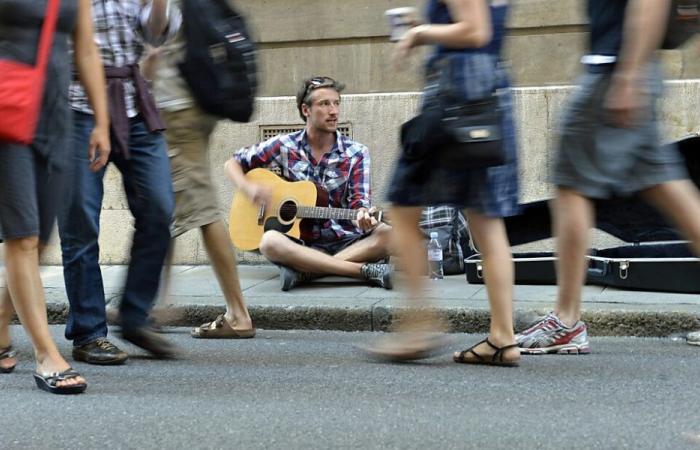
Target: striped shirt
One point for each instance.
(344, 171)
(121, 32)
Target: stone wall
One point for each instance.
(347, 39)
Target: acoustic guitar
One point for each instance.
(292, 202)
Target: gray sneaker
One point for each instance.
(694, 338)
(550, 335)
(290, 278)
(380, 275)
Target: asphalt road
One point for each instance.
(305, 389)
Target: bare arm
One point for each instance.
(91, 73)
(472, 28)
(158, 19)
(644, 28)
(257, 193)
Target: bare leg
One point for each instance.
(573, 218)
(492, 241)
(6, 312)
(375, 246)
(279, 249)
(680, 202)
(27, 293)
(223, 260)
(412, 251)
(416, 326)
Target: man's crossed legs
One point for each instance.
(300, 263)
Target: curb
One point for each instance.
(380, 318)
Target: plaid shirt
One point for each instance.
(344, 171)
(120, 35)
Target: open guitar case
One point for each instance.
(656, 258)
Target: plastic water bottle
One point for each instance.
(434, 257)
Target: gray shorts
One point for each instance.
(30, 193)
(600, 160)
(331, 247)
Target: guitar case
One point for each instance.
(656, 258)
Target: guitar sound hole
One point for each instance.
(288, 211)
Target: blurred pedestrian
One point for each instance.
(610, 145)
(196, 202)
(122, 29)
(467, 38)
(33, 177)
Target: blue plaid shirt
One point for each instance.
(344, 171)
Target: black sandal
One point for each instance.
(493, 360)
(7, 353)
(48, 382)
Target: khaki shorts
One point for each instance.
(196, 202)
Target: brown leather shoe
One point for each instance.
(100, 352)
(150, 341)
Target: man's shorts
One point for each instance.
(196, 202)
(600, 160)
(332, 247)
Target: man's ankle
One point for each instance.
(568, 319)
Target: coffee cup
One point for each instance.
(400, 20)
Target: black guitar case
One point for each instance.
(656, 259)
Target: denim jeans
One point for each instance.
(148, 187)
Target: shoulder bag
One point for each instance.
(22, 86)
(456, 133)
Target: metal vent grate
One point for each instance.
(270, 131)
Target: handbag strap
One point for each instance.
(47, 32)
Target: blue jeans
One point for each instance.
(148, 187)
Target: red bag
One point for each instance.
(22, 86)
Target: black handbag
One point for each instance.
(455, 133)
(473, 135)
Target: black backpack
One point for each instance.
(682, 23)
(220, 59)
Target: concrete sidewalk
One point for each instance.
(341, 304)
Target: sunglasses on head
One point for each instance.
(318, 82)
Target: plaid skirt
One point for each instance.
(492, 191)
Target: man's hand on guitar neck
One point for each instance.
(366, 219)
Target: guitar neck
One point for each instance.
(315, 212)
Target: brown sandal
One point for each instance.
(220, 329)
(497, 359)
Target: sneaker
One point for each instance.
(290, 278)
(550, 335)
(380, 275)
(693, 338)
(100, 352)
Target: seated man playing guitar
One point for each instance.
(336, 164)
